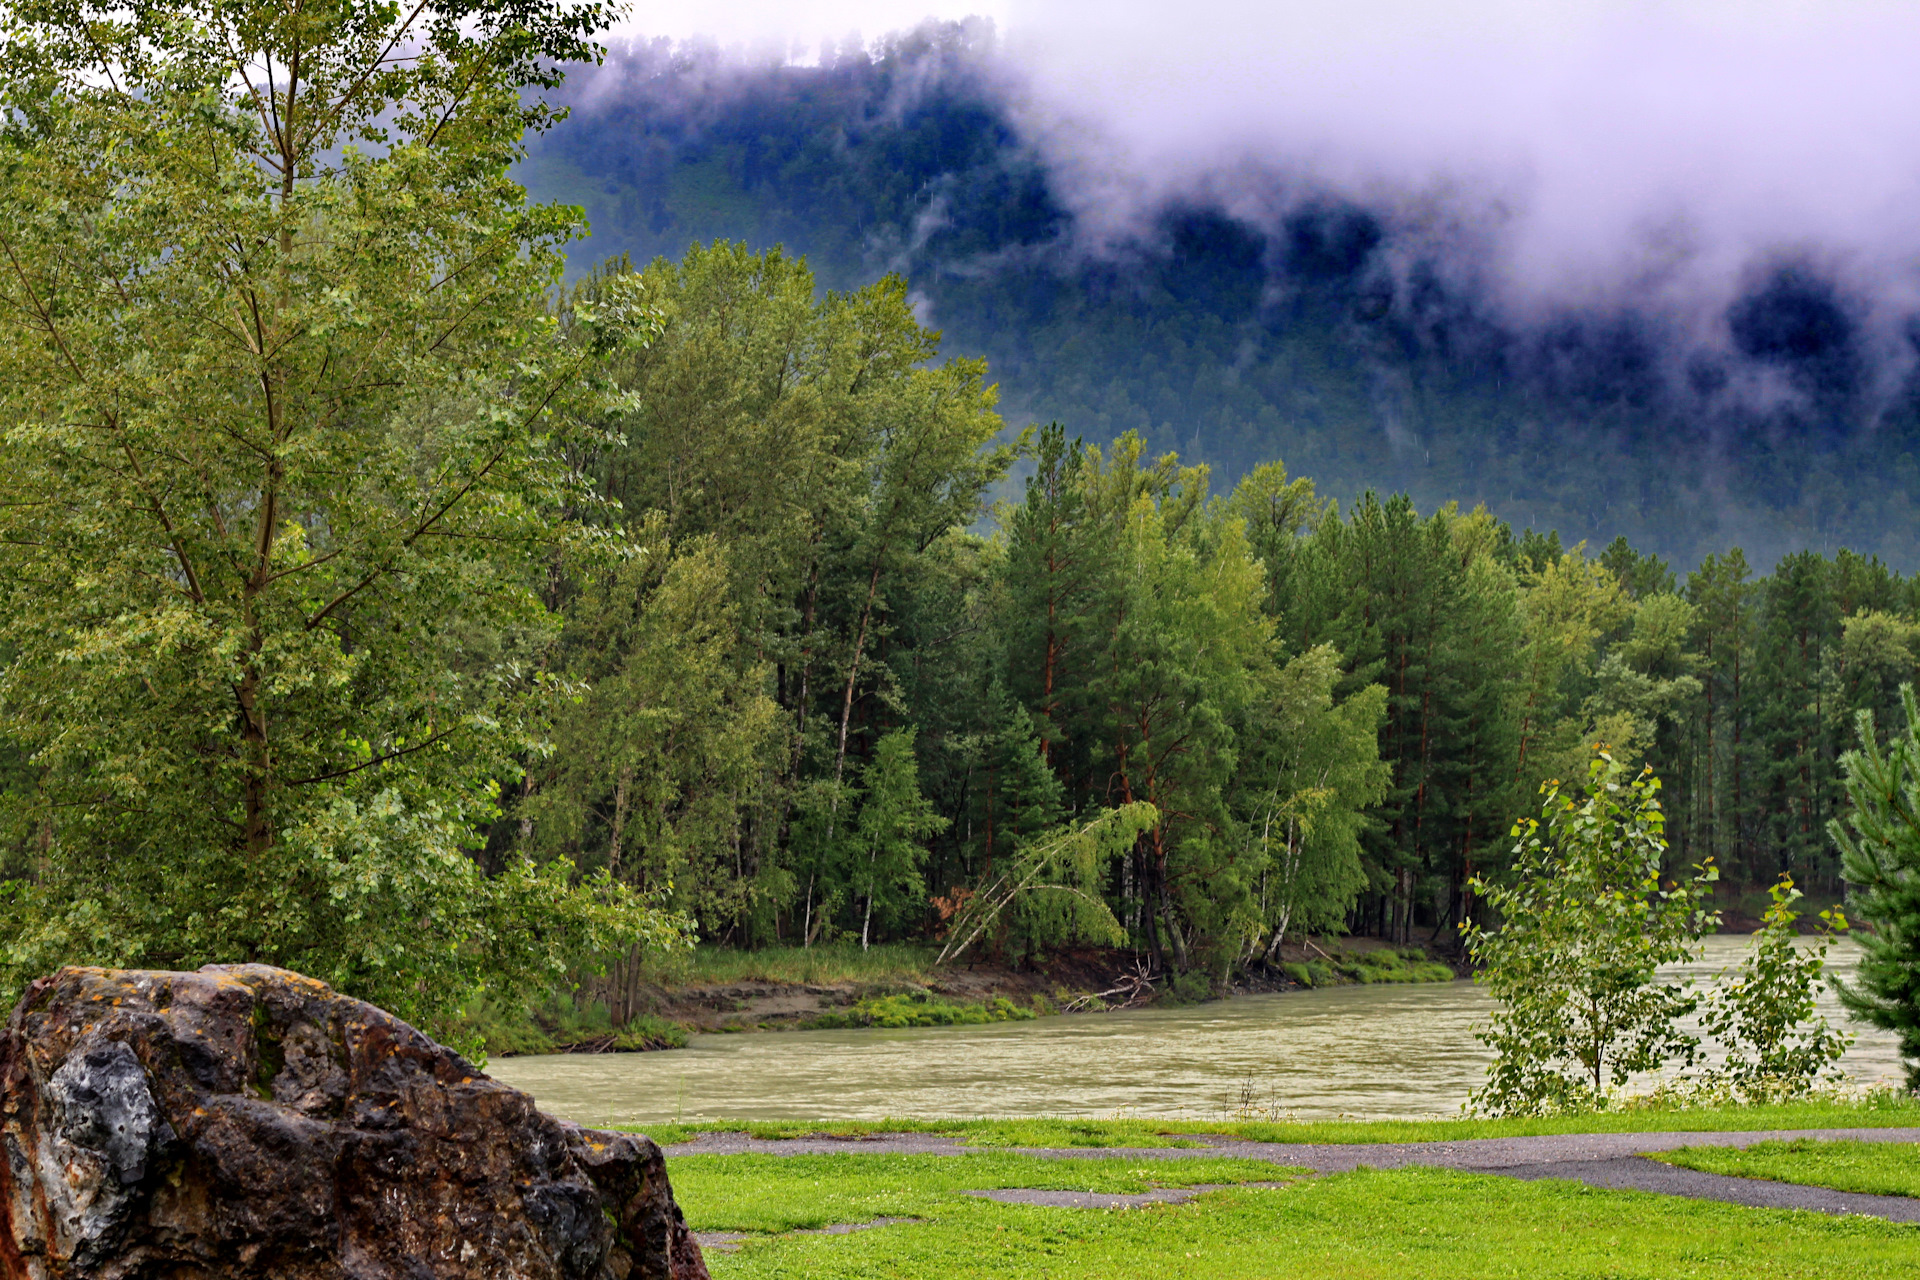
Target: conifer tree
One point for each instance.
(1879, 844)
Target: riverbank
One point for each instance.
(718, 991)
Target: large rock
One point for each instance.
(245, 1121)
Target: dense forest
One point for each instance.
(380, 605)
(829, 700)
(1358, 343)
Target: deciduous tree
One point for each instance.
(281, 393)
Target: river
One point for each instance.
(1357, 1051)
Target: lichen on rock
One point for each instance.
(245, 1121)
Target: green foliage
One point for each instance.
(1585, 923)
(1388, 965)
(888, 839)
(1879, 846)
(1763, 1016)
(918, 1009)
(562, 1024)
(285, 423)
(656, 762)
(796, 468)
(883, 964)
(1058, 875)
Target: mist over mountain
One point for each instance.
(1694, 364)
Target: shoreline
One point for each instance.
(1069, 983)
(829, 987)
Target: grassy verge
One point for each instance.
(1876, 1168)
(1365, 1225)
(918, 1009)
(1383, 965)
(826, 965)
(1875, 1111)
(563, 1025)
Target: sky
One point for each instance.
(757, 24)
(1657, 151)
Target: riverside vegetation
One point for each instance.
(378, 607)
(375, 606)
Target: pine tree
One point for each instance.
(1799, 629)
(888, 844)
(1721, 785)
(1879, 844)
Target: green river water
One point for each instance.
(1361, 1051)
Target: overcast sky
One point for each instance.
(1655, 146)
(783, 23)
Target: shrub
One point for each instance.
(1587, 924)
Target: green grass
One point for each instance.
(1367, 1225)
(563, 1022)
(1876, 1111)
(789, 1193)
(1389, 965)
(918, 1009)
(825, 965)
(1876, 1168)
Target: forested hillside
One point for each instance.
(1344, 339)
(819, 706)
(379, 605)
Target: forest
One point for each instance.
(839, 690)
(385, 597)
(1266, 319)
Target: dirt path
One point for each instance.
(1616, 1161)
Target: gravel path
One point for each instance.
(1615, 1161)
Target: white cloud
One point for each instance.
(795, 27)
(1617, 140)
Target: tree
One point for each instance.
(1723, 633)
(1060, 874)
(659, 758)
(1879, 844)
(1058, 574)
(1310, 772)
(282, 397)
(1764, 1016)
(1793, 716)
(1585, 924)
(1187, 646)
(888, 843)
(1567, 603)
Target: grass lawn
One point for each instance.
(1882, 1111)
(1433, 1224)
(1878, 1168)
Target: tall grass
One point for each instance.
(829, 964)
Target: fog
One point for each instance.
(1589, 151)
(1668, 159)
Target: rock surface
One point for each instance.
(245, 1121)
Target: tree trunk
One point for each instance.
(853, 673)
(619, 819)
